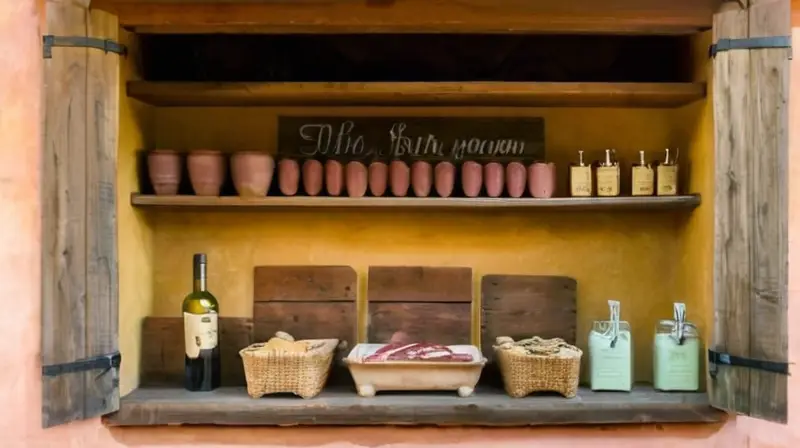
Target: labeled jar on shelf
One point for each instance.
(642, 178)
(667, 174)
(608, 175)
(611, 352)
(581, 183)
(676, 353)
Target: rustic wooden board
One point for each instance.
(419, 284)
(442, 323)
(305, 320)
(522, 306)
(454, 139)
(163, 352)
(304, 283)
(232, 406)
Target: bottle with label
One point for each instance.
(611, 352)
(676, 353)
(642, 178)
(581, 183)
(201, 333)
(667, 174)
(608, 175)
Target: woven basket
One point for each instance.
(303, 374)
(553, 367)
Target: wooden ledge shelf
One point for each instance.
(232, 406)
(269, 202)
(529, 94)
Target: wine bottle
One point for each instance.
(201, 335)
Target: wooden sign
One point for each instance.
(412, 138)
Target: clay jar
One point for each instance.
(445, 178)
(334, 177)
(378, 178)
(356, 179)
(288, 176)
(493, 174)
(164, 169)
(542, 179)
(399, 178)
(471, 178)
(421, 178)
(312, 177)
(516, 179)
(252, 173)
(206, 171)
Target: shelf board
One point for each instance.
(528, 94)
(488, 407)
(190, 202)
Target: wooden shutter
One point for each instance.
(79, 236)
(750, 91)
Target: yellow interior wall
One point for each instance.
(134, 231)
(632, 257)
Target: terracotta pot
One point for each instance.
(288, 176)
(421, 178)
(252, 173)
(493, 174)
(312, 177)
(378, 176)
(516, 175)
(356, 179)
(164, 169)
(334, 177)
(471, 178)
(206, 171)
(542, 179)
(445, 178)
(399, 178)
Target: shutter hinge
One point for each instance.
(106, 362)
(751, 43)
(107, 45)
(717, 358)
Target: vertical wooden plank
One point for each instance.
(64, 215)
(102, 295)
(769, 90)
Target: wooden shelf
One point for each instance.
(232, 406)
(565, 204)
(530, 94)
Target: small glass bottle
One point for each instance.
(608, 175)
(611, 352)
(581, 183)
(667, 175)
(642, 178)
(676, 353)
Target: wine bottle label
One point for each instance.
(200, 332)
(608, 181)
(642, 181)
(580, 180)
(667, 180)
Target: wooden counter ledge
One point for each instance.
(232, 406)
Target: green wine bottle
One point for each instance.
(201, 334)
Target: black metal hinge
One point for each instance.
(751, 43)
(716, 358)
(107, 45)
(105, 362)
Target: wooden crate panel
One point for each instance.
(442, 323)
(304, 283)
(419, 284)
(305, 320)
(527, 305)
(163, 352)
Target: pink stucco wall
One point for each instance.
(20, 130)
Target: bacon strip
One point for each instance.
(418, 351)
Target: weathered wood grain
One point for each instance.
(64, 219)
(232, 406)
(769, 221)
(306, 320)
(304, 283)
(162, 360)
(419, 284)
(522, 306)
(441, 323)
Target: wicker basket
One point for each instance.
(303, 374)
(538, 365)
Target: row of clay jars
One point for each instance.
(421, 177)
(251, 172)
